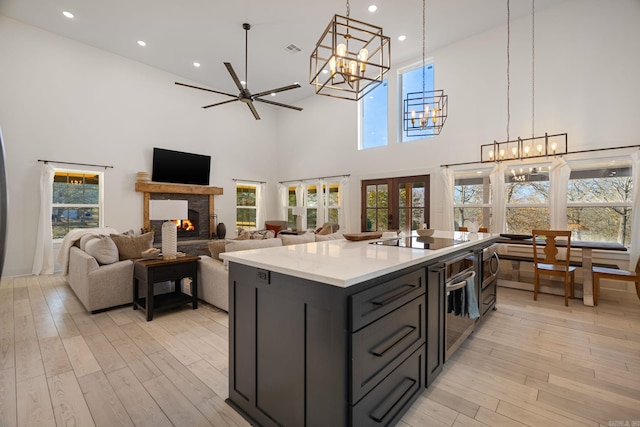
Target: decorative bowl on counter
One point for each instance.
(425, 232)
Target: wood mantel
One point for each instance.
(155, 187)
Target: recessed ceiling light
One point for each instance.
(68, 14)
(242, 82)
(373, 8)
(142, 43)
(325, 71)
(273, 94)
(402, 38)
(196, 64)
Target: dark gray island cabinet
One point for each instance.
(305, 352)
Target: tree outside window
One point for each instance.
(527, 199)
(77, 201)
(246, 206)
(599, 205)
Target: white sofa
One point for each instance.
(213, 277)
(99, 286)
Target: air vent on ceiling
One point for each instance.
(292, 48)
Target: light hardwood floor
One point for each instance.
(531, 363)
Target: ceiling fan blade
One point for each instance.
(234, 76)
(253, 110)
(278, 104)
(220, 103)
(280, 89)
(208, 90)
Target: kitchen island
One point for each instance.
(336, 333)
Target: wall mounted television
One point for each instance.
(178, 167)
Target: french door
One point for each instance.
(395, 203)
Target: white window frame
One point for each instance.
(487, 205)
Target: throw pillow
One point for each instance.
(103, 249)
(289, 239)
(216, 247)
(131, 247)
(326, 237)
(275, 228)
(84, 239)
(327, 229)
(243, 235)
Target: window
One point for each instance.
(77, 201)
(471, 201)
(599, 205)
(332, 204)
(312, 206)
(527, 199)
(246, 206)
(395, 203)
(373, 118)
(411, 81)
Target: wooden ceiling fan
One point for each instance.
(245, 95)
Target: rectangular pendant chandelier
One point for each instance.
(425, 113)
(528, 148)
(350, 59)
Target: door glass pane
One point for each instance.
(402, 199)
(382, 220)
(372, 220)
(417, 218)
(403, 219)
(417, 194)
(383, 195)
(371, 195)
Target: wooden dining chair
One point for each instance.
(614, 274)
(550, 264)
(480, 230)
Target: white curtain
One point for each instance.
(634, 251)
(498, 204)
(321, 195)
(559, 173)
(43, 260)
(447, 199)
(301, 193)
(344, 212)
(283, 202)
(261, 205)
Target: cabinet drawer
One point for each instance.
(384, 405)
(171, 272)
(382, 345)
(370, 305)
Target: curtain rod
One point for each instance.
(320, 177)
(560, 155)
(77, 164)
(248, 180)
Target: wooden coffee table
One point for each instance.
(148, 272)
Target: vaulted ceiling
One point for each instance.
(179, 33)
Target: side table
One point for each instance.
(151, 271)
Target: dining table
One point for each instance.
(586, 248)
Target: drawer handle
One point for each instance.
(395, 396)
(395, 296)
(395, 339)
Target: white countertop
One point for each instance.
(345, 263)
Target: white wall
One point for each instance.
(66, 101)
(586, 58)
(63, 100)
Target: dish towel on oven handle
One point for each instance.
(472, 303)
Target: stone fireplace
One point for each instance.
(200, 223)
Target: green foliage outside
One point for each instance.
(75, 199)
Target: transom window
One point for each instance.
(411, 81)
(374, 128)
(77, 201)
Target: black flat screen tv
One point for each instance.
(178, 167)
